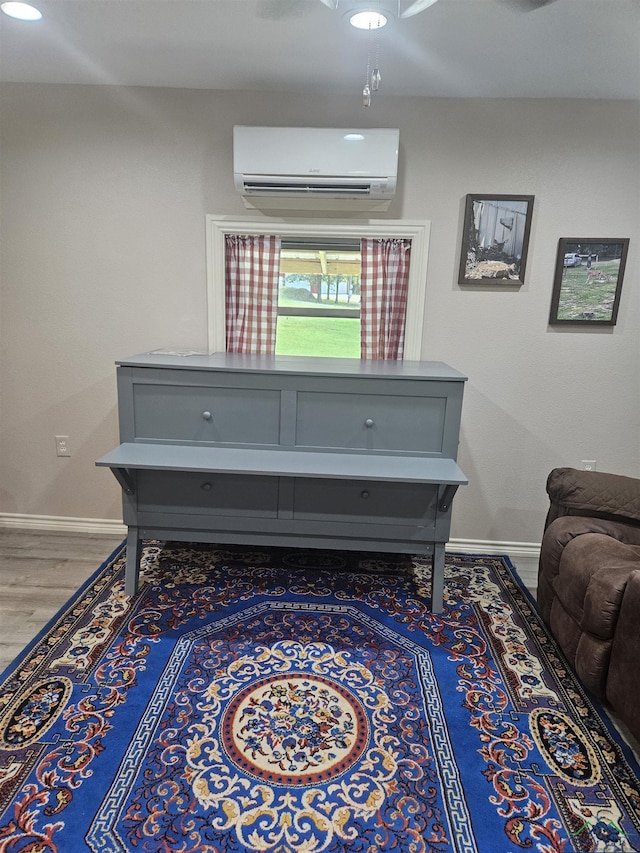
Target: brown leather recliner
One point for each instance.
(589, 582)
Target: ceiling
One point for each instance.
(456, 48)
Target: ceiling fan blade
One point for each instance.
(527, 5)
(282, 9)
(332, 4)
(417, 6)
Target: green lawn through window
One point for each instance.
(326, 336)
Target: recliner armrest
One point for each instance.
(623, 683)
(593, 493)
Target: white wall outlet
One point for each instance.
(62, 445)
(588, 464)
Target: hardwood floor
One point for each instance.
(40, 571)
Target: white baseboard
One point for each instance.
(529, 550)
(524, 550)
(523, 555)
(62, 524)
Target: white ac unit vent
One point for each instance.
(315, 167)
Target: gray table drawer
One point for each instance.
(219, 494)
(371, 421)
(365, 501)
(206, 414)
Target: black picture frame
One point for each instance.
(495, 239)
(588, 281)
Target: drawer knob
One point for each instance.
(364, 494)
(207, 416)
(206, 487)
(369, 422)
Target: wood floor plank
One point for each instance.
(39, 572)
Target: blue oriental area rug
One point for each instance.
(289, 701)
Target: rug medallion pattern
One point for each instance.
(287, 701)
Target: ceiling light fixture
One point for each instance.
(372, 15)
(367, 20)
(22, 11)
(389, 8)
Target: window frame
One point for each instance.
(218, 227)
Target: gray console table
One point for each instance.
(309, 452)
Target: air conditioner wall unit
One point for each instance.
(315, 167)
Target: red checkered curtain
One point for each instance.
(252, 266)
(384, 279)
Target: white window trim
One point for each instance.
(218, 227)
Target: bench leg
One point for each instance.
(437, 578)
(134, 553)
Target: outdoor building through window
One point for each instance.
(319, 298)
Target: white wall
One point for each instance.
(104, 193)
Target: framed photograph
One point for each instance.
(495, 239)
(588, 281)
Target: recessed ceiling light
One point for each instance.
(368, 20)
(23, 11)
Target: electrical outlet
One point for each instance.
(62, 445)
(588, 464)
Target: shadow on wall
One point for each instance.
(516, 468)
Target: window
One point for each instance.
(294, 235)
(319, 298)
